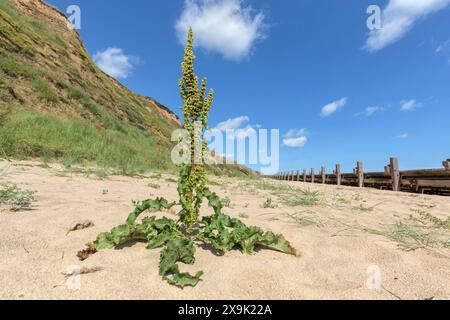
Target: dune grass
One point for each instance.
(31, 134)
(304, 197)
(407, 237)
(425, 217)
(268, 204)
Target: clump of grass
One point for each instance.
(408, 237)
(172, 180)
(16, 198)
(268, 204)
(243, 215)
(153, 185)
(425, 217)
(305, 197)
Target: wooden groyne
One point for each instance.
(433, 181)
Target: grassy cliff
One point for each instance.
(55, 103)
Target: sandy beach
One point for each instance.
(347, 237)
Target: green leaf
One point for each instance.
(118, 235)
(226, 233)
(159, 240)
(279, 243)
(214, 200)
(165, 224)
(148, 230)
(178, 249)
(150, 205)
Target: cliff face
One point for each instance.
(47, 76)
(38, 35)
(56, 103)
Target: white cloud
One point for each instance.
(114, 62)
(236, 128)
(369, 111)
(403, 136)
(232, 124)
(224, 26)
(295, 133)
(408, 105)
(332, 107)
(398, 18)
(295, 138)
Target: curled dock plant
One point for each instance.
(178, 238)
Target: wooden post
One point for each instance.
(395, 174)
(360, 173)
(304, 175)
(291, 175)
(338, 174)
(298, 175)
(324, 178)
(312, 175)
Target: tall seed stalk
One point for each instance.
(196, 107)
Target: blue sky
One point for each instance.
(309, 68)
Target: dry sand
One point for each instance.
(338, 256)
